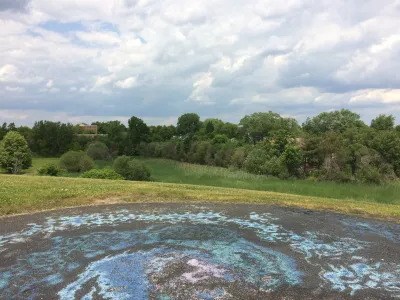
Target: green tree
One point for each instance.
(387, 143)
(137, 132)
(52, 138)
(14, 153)
(292, 158)
(261, 125)
(188, 124)
(162, 133)
(336, 121)
(383, 122)
(116, 135)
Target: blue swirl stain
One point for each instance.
(157, 254)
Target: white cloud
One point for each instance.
(200, 89)
(390, 96)
(99, 38)
(127, 83)
(297, 56)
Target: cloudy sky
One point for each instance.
(85, 60)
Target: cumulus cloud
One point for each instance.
(158, 59)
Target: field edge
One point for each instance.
(28, 194)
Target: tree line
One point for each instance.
(336, 145)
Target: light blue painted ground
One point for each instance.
(197, 254)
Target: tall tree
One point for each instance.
(261, 125)
(52, 138)
(188, 124)
(336, 121)
(138, 132)
(116, 135)
(383, 122)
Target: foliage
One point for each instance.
(259, 126)
(14, 153)
(336, 121)
(162, 133)
(334, 146)
(292, 158)
(137, 132)
(131, 169)
(51, 138)
(102, 174)
(76, 161)
(383, 122)
(188, 124)
(116, 135)
(98, 151)
(164, 170)
(49, 170)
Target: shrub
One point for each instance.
(238, 157)
(98, 151)
(275, 167)
(14, 153)
(254, 162)
(76, 161)
(292, 158)
(102, 174)
(49, 170)
(131, 169)
(369, 174)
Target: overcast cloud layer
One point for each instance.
(97, 60)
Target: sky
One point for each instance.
(86, 60)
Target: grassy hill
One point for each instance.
(185, 182)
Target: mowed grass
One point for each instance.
(21, 194)
(175, 181)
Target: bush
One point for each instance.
(255, 161)
(102, 174)
(49, 170)
(131, 169)
(238, 157)
(292, 158)
(275, 167)
(76, 161)
(98, 151)
(14, 153)
(369, 174)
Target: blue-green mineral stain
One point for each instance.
(165, 252)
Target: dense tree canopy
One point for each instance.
(188, 124)
(259, 126)
(334, 145)
(52, 138)
(383, 122)
(337, 121)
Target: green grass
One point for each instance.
(177, 181)
(163, 170)
(175, 172)
(20, 194)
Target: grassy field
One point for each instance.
(19, 194)
(163, 170)
(194, 182)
